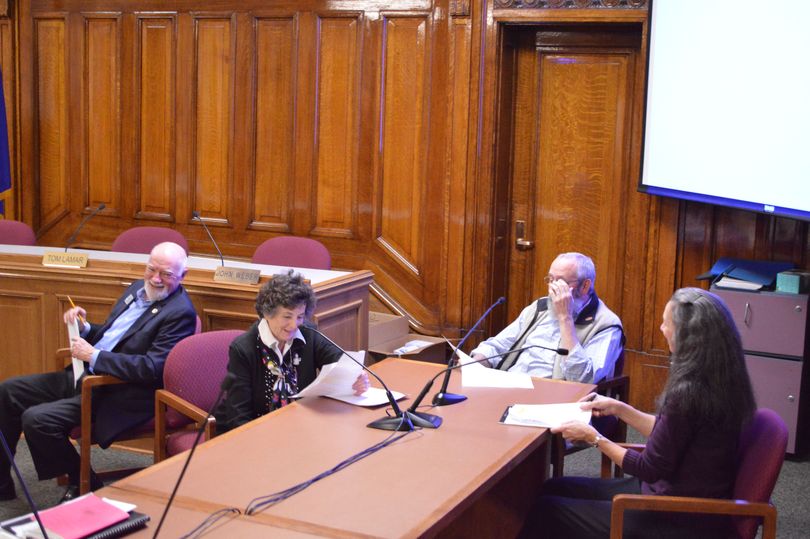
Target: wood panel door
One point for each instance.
(562, 158)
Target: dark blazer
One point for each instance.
(138, 358)
(246, 399)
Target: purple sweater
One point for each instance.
(684, 459)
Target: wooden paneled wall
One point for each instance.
(371, 126)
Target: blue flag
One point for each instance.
(5, 163)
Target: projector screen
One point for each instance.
(727, 115)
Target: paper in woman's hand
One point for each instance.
(545, 415)
(336, 379)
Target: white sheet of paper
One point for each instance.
(474, 374)
(546, 415)
(374, 396)
(78, 365)
(335, 379)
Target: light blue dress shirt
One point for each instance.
(120, 326)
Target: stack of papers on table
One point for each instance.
(474, 374)
(86, 516)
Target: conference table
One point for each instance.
(33, 297)
(471, 477)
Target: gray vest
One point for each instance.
(593, 319)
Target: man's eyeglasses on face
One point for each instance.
(165, 275)
(548, 279)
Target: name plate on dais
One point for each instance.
(237, 275)
(65, 260)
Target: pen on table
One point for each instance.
(74, 306)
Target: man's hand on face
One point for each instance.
(562, 298)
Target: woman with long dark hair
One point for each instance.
(692, 439)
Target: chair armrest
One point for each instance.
(96, 380)
(62, 358)
(683, 504)
(179, 405)
(166, 399)
(621, 382)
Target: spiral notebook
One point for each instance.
(85, 517)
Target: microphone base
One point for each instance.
(446, 399)
(414, 419)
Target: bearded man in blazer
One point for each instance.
(146, 322)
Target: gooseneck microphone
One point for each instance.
(28, 498)
(400, 420)
(196, 215)
(87, 217)
(429, 384)
(443, 398)
(227, 382)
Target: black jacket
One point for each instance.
(246, 397)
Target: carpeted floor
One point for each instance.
(789, 495)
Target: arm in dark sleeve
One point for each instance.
(142, 357)
(238, 405)
(325, 352)
(669, 440)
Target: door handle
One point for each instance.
(521, 242)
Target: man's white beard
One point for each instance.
(578, 303)
(155, 294)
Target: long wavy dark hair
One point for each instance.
(708, 380)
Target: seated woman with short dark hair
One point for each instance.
(278, 355)
(705, 404)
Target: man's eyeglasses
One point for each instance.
(548, 279)
(165, 275)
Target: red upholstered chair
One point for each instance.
(192, 376)
(141, 239)
(759, 461)
(83, 433)
(16, 233)
(293, 251)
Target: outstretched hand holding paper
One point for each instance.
(335, 381)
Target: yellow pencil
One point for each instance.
(74, 306)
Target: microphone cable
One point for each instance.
(269, 500)
(210, 520)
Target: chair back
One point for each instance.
(195, 369)
(618, 367)
(293, 251)
(16, 233)
(142, 239)
(761, 454)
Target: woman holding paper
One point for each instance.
(706, 401)
(278, 355)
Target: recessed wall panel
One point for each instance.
(213, 116)
(51, 120)
(334, 198)
(102, 103)
(156, 85)
(275, 65)
(404, 140)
